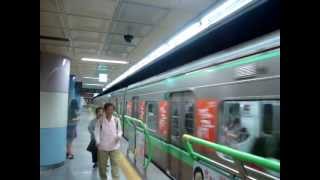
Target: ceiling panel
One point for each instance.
(87, 70)
(58, 50)
(131, 28)
(120, 48)
(157, 3)
(48, 5)
(140, 13)
(85, 51)
(87, 36)
(55, 43)
(200, 6)
(92, 8)
(89, 45)
(116, 54)
(53, 32)
(88, 24)
(95, 26)
(50, 19)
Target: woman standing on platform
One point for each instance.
(92, 145)
(73, 119)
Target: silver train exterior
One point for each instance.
(239, 86)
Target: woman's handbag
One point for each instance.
(92, 146)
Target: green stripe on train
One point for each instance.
(172, 150)
(242, 61)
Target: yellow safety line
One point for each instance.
(127, 169)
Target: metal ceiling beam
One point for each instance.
(85, 30)
(145, 5)
(54, 38)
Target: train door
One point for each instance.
(181, 122)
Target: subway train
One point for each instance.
(231, 97)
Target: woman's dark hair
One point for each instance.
(74, 104)
(107, 105)
(198, 169)
(237, 121)
(98, 109)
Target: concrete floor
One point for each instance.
(80, 168)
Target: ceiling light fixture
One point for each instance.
(87, 77)
(103, 77)
(88, 84)
(104, 60)
(208, 20)
(64, 62)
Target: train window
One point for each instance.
(135, 107)
(189, 113)
(152, 115)
(121, 105)
(252, 126)
(182, 116)
(175, 118)
(116, 105)
(128, 107)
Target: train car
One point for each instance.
(231, 98)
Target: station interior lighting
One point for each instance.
(209, 19)
(89, 84)
(104, 60)
(103, 77)
(87, 77)
(64, 62)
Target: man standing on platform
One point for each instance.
(108, 133)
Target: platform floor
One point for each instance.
(80, 168)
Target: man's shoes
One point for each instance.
(70, 156)
(95, 165)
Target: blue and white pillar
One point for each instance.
(54, 86)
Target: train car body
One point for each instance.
(231, 98)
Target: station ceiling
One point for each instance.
(248, 25)
(95, 28)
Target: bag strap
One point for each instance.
(117, 125)
(100, 123)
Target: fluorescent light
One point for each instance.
(64, 62)
(88, 84)
(103, 77)
(208, 20)
(186, 34)
(223, 11)
(104, 60)
(87, 77)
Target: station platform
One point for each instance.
(80, 168)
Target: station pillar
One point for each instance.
(54, 87)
